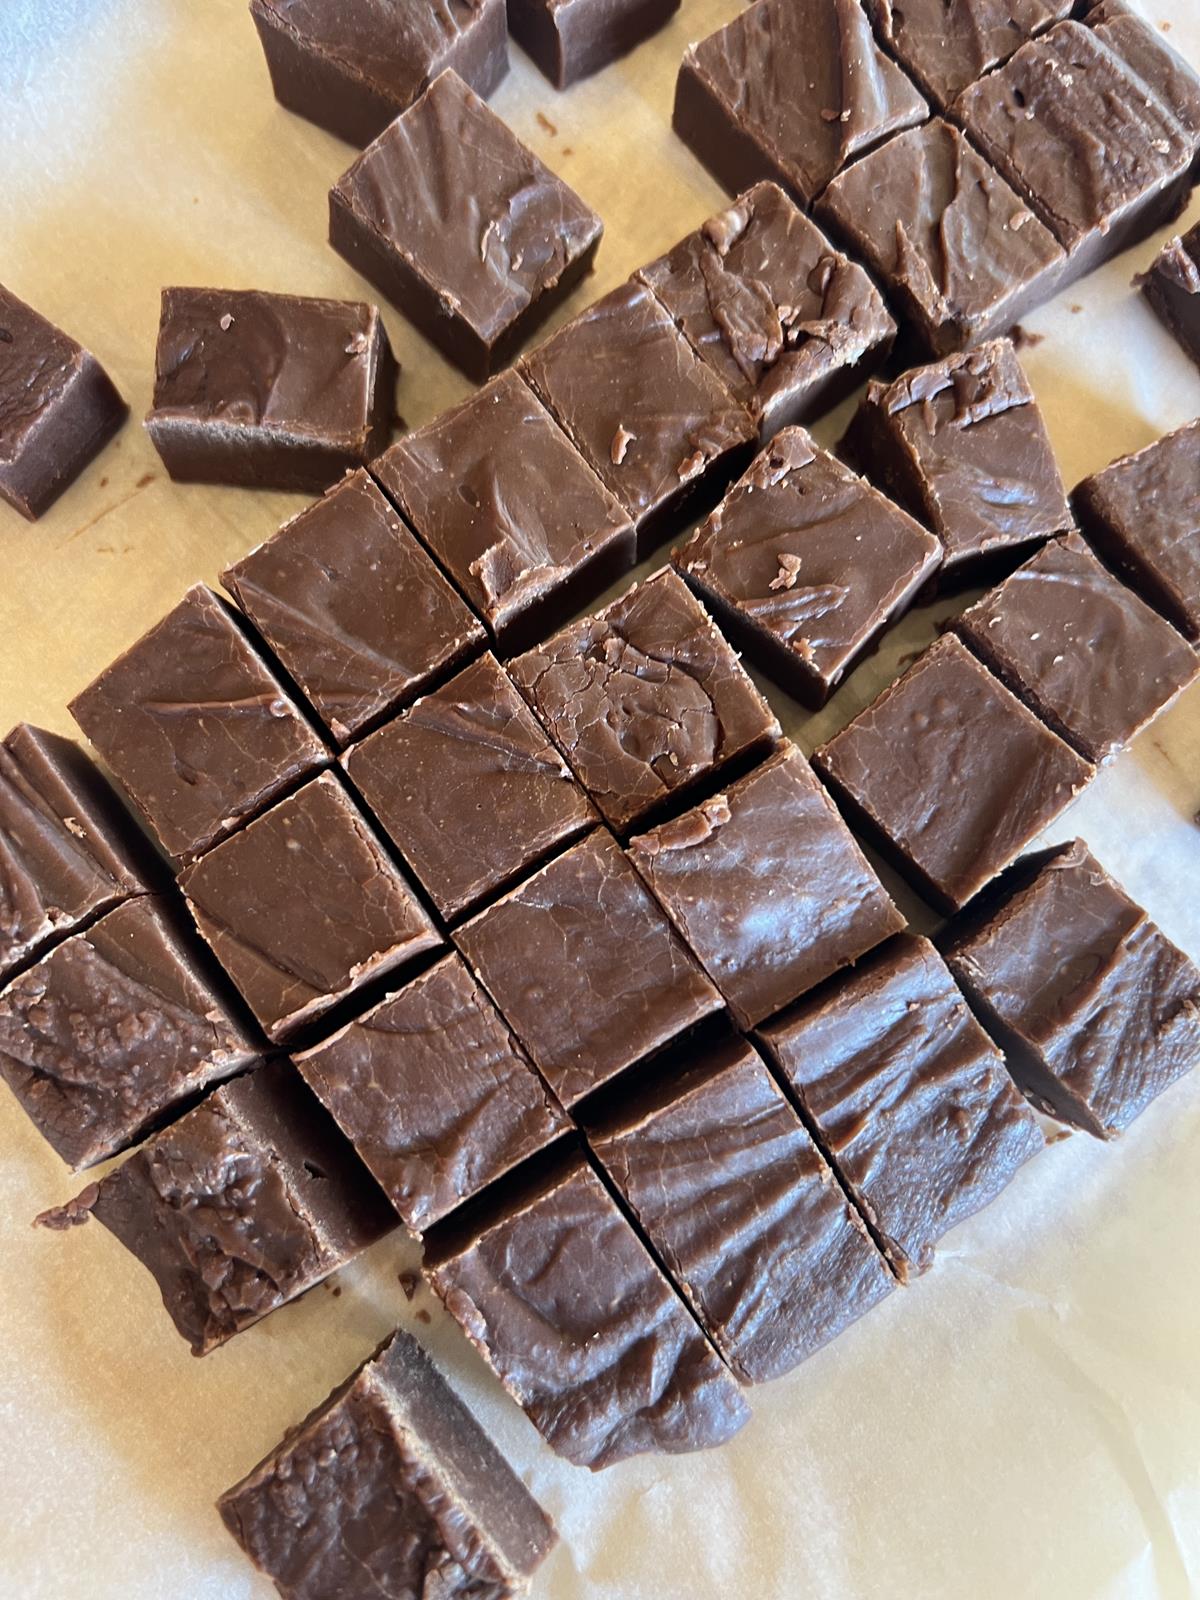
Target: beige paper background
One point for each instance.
(1024, 1423)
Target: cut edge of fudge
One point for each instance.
(1171, 287)
(533, 25)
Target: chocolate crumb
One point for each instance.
(423, 1315)
(543, 121)
(409, 1282)
(1024, 338)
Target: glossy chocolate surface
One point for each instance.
(948, 44)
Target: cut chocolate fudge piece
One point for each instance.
(390, 1488)
(742, 1208)
(571, 39)
(951, 775)
(352, 69)
(434, 1093)
(1172, 288)
(1080, 649)
(585, 968)
(1095, 1009)
(118, 1026)
(567, 1306)
(645, 698)
(959, 253)
(303, 906)
(767, 887)
(354, 608)
(1146, 52)
(58, 408)
(462, 227)
(789, 323)
(660, 428)
(511, 510)
(791, 90)
(269, 391)
(963, 446)
(909, 1098)
(948, 44)
(805, 565)
(470, 789)
(196, 728)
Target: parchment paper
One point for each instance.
(1024, 1422)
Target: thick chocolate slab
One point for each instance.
(571, 39)
(948, 44)
(1171, 286)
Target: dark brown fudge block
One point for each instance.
(789, 323)
(567, 1306)
(791, 90)
(910, 1099)
(742, 1208)
(269, 391)
(58, 408)
(434, 1093)
(1146, 52)
(1095, 1009)
(352, 69)
(196, 728)
(805, 564)
(656, 423)
(462, 227)
(303, 906)
(510, 509)
(948, 44)
(951, 775)
(115, 1028)
(959, 253)
(767, 887)
(585, 968)
(1171, 286)
(470, 789)
(389, 1488)
(645, 698)
(571, 39)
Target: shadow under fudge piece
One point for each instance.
(1096, 1011)
(58, 408)
(805, 564)
(115, 1028)
(1171, 286)
(950, 774)
(909, 1098)
(571, 39)
(948, 44)
(389, 1488)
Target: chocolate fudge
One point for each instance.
(353, 69)
(58, 408)
(389, 1488)
(511, 510)
(585, 968)
(434, 1093)
(354, 608)
(269, 391)
(303, 906)
(742, 1208)
(1095, 1009)
(950, 775)
(117, 1027)
(783, 318)
(805, 564)
(792, 90)
(1172, 289)
(567, 1306)
(767, 887)
(948, 44)
(645, 698)
(195, 726)
(659, 427)
(462, 227)
(909, 1098)
(1146, 52)
(571, 39)
(470, 789)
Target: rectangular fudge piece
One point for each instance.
(948, 44)
(1145, 51)
(571, 39)
(1171, 286)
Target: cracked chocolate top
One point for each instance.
(948, 44)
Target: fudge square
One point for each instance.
(462, 227)
(115, 1028)
(645, 698)
(196, 728)
(1095, 1009)
(744, 1211)
(585, 968)
(389, 1488)
(566, 1305)
(948, 44)
(353, 607)
(908, 1096)
(571, 39)
(767, 887)
(1171, 286)
(470, 789)
(304, 906)
(805, 564)
(950, 774)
